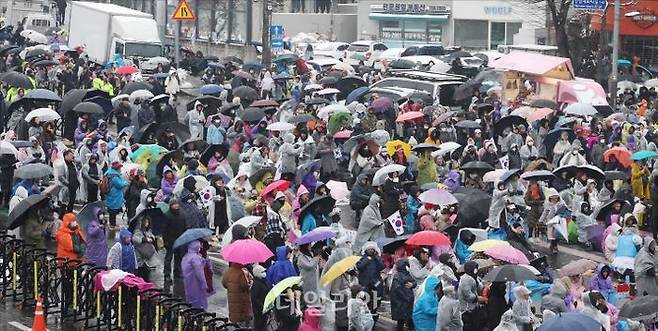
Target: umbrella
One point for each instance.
(592, 171)
(16, 79)
(140, 95)
(428, 238)
(643, 155)
(306, 168)
(7, 148)
(544, 103)
(616, 175)
(509, 273)
(438, 197)
(483, 245)
(343, 66)
(523, 111)
(410, 116)
(20, 211)
(641, 308)
(604, 209)
(538, 175)
(381, 174)
(88, 108)
(134, 86)
(42, 94)
(577, 267)
(275, 186)
(44, 115)
(180, 131)
(467, 124)
(286, 58)
(231, 58)
(191, 235)
(201, 183)
(622, 155)
(21, 143)
(157, 219)
(509, 174)
(356, 94)
(393, 146)
(325, 203)
(507, 254)
(345, 134)
(252, 114)
(565, 122)
(473, 206)
(338, 269)
(569, 322)
(338, 190)
(580, 109)
(245, 92)
(313, 236)
(447, 147)
(207, 100)
(264, 103)
(317, 101)
(421, 97)
(210, 151)
(329, 80)
(33, 171)
(127, 70)
(569, 169)
(280, 126)
(258, 175)
(88, 213)
(477, 165)
(255, 67)
(277, 289)
(493, 176)
(247, 222)
(243, 74)
(508, 122)
(390, 245)
(595, 236)
(554, 135)
(328, 91)
(210, 89)
(6, 48)
(313, 87)
(329, 110)
(539, 114)
(35, 37)
(160, 98)
(382, 104)
(282, 76)
(246, 251)
(422, 147)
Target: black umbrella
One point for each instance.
(477, 165)
(258, 175)
(88, 213)
(42, 94)
(18, 214)
(604, 209)
(509, 273)
(616, 175)
(181, 131)
(210, 151)
(88, 108)
(348, 84)
(390, 245)
(245, 92)
(252, 114)
(466, 90)
(425, 147)
(554, 135)
(592, 171)
(165, 160)
(641, 308)
(158, 221)
(199, 144)
(301, 118)
(538, 175)
(402, 64)
(229, 109)
(7, 48)
(16, 79)
(329, 80)
(325, 202)
(422, 97)
(134, 86)
(233, 59)
(473, 207)
(509, 174)
(73, 97)
(508, 122)
(317, 101)
(255, 67)
(467, 124)
(45, 63)
(35, 53)
(21, 143)
(210, 101)
(33, 171)
(543, 103)
(304, 169)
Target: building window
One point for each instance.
(434, 33)
(512, 29)
(497, 34)
(390, 30)
(472, 34)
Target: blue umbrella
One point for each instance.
(643, 155)
(282, 76)
(191, 235)
(570, 322)
(209, 89)
(161, 75)
(356, 94)
(624, 63)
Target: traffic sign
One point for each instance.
(183, 12)
(590, 4)
(277, 36)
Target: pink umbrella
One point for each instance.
(339, 190)
(539, 114)
(410, 116)
(246, 251)
(507, 254)
(345, 134)
(438, 197)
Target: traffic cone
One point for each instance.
(39, 319)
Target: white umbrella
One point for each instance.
(580, 109)
(343, 66)
(446, 147)
(140, 94)
(329, 110)
(651, 83)
(201, 183)
(118, 98)
(34, 36)
(381, 174)
(328, 91)
(280, 126)
(493, 176)
(7, 148)
(44, 114)
(246, 221)
(313, 87)
(626, 85)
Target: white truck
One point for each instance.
(106, 29)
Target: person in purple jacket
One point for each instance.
(96, 240)
(602, 281)
(196, 287)
(168, 182)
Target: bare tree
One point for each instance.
(559, 14)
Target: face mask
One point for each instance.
(101, 217)
(396, 179)
(475, 271)
(530, 143)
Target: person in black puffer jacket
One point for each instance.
(402, 295)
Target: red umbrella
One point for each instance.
(410, 116)
(428, 238)
(621, 154)
(345, 134)
(278, 185)
(246, 251)
(127, 70)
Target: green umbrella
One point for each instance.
(338, 120)
(278, 289)
(286, 58)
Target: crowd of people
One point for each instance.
(406, 188)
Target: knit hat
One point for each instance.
(258, 271)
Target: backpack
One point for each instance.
(104, 186)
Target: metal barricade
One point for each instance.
(146, 308)
(49, 282)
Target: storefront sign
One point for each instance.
(646, 19)
(409, 8)
(497, 10)
(590, 4)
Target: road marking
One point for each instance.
(20, 326)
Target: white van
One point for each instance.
(38, 22)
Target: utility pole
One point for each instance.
(267, 34)
(612, 85)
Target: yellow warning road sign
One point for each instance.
(183, 12)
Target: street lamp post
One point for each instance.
(612, 86)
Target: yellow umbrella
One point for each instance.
(483, 245)
(278, 289)
(338, 269)
(393, 145)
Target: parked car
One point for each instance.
(431, 50)
(364, 50)
(386, 57)
(440, 86)
(336, 50)
(322, 64)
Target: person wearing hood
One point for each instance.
(194, 218)
(402, 295)
(426, 169)
(370, 267)
(595, 307)
(573, 157)
(133, 194)
(70, 246)
(523, 316)
(196, 287)
(289, 152)
(328, 163)
(149, 255)
(627, 246)
(301, 198)
(646, 279)
(499, 196)
(371, 226)
(91, 175)
(528, 152)
(419, 264)
(122, 114)
(360, 195)
(288, 309)
(195, 119)
(449, 314)
(275, 228)
(427, 305)
(496, 304)
(122, 254)
(96, 240)
(552, 207)
(81, 131)
(335, 300)
(359, 316)
(219, 211)
(309, 263)
(259, 289)
(602, 282)
(282, 268)
(611, 241)
(507, 322)
(114, 198)
(168, 182)
(468, 293)
(311, 320)
(174, 228)
(216, 133)
(462, 244)
(101, 131)
(146, 201)
(561, 148)
(555, 300)
(413, 205)
(640, 180)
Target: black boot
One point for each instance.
(553, 246)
